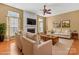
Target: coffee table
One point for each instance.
(54, 39)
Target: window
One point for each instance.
(40, 25)
(12, 23)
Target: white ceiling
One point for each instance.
(57, 8)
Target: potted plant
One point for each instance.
(2, 31)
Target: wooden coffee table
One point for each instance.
(54, 39)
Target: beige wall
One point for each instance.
(49, 24)
(72, 16)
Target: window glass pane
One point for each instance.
(13, 22)
(13, 25)
(13, 14)
(40, 25)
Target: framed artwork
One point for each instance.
(65, 23)
(57, 24)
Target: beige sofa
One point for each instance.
(64, 33)
(27, 45)
(18, 43)
(44, 48)
(31, 47)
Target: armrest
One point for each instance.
(44, 48)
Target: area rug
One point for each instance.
(62, 47)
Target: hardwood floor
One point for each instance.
(8, 48)
(5, 48)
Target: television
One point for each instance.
(31, 21)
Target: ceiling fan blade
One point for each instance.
(49, 10)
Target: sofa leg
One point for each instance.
(21, 52)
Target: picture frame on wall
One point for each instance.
(57, 24)
(66, 24)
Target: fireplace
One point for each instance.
(32, 30)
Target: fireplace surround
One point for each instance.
(32, 30)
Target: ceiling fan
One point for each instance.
(46, 11)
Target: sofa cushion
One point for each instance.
(31, 36)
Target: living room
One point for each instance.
(35, 31)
